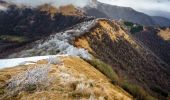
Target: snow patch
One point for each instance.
(5, 63)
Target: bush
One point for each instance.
(136, 29)
(105, 69)
(138, 92)
(128, 24)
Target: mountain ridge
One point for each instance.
(126, 13)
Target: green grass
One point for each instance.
(136, 91)
(105, 69)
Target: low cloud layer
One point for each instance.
(34, 3)
(152, 7)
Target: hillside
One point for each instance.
(23, 25)
(107, 41)
(64, 78)
(157, 40)
(131, 60)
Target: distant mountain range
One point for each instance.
(103, 10)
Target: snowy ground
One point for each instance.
(6, 63)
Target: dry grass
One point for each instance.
(165, 34)
(74, 79)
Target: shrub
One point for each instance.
(136, 29)
(105, 69)
(128, 24)
(138, 92)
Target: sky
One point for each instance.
(151, 7)
(34, 3)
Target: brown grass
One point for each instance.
(165, 34)
(67, 82)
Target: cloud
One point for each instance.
(2, 8)
(34, 3)
(146, 6)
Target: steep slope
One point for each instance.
(156, 39)
(58, 43)
(22, 25)
(70, 78)
(116, 12)
(108, 42)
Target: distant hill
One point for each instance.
(125, 13)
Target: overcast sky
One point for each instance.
(152, 7)
(80, 3)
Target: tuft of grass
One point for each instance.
(105, 69)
